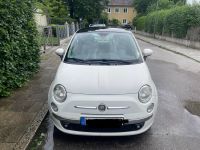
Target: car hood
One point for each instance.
(90, 79)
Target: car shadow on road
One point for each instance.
(91, 142)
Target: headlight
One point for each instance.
(145, 94)
(59, 93)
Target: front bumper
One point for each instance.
(118, 106)
(132, 127)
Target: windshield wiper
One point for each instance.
(100, 61)
(76, 60)
(90, 62)
(112, 61)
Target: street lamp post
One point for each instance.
(155, 20)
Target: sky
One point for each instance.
(192, 1)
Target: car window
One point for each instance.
(105, 46)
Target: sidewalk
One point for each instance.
(22, 113)
(179, 49)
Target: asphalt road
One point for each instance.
(177, 79)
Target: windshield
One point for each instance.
(103, 48)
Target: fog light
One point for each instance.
(150, 108)
(54, 107)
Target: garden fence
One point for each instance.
(52, 35)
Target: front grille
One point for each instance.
(103, 128)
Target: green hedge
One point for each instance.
(19, 50)
(172, 22)
(156, 21)
(140, 24)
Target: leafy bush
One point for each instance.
(173, 22)
(19, 50)
(114, 22)
(140, 24)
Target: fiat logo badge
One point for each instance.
(102, 107)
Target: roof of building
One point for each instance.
(120, 3)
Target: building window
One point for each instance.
(124, 21)
(117, 10)
(109, 10)
(125, 10)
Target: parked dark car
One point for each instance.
(127, 27)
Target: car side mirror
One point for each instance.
(60, 52)
(147, 53)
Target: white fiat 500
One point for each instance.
(103, 86)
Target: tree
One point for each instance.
(161, 4)
(55, 10)
(86, 9)
(104, 18)
(179, 1)
(142, 5)
(145, 6)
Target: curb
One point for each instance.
(166, 48)
(30, 132)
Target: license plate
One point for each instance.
(101, 122)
